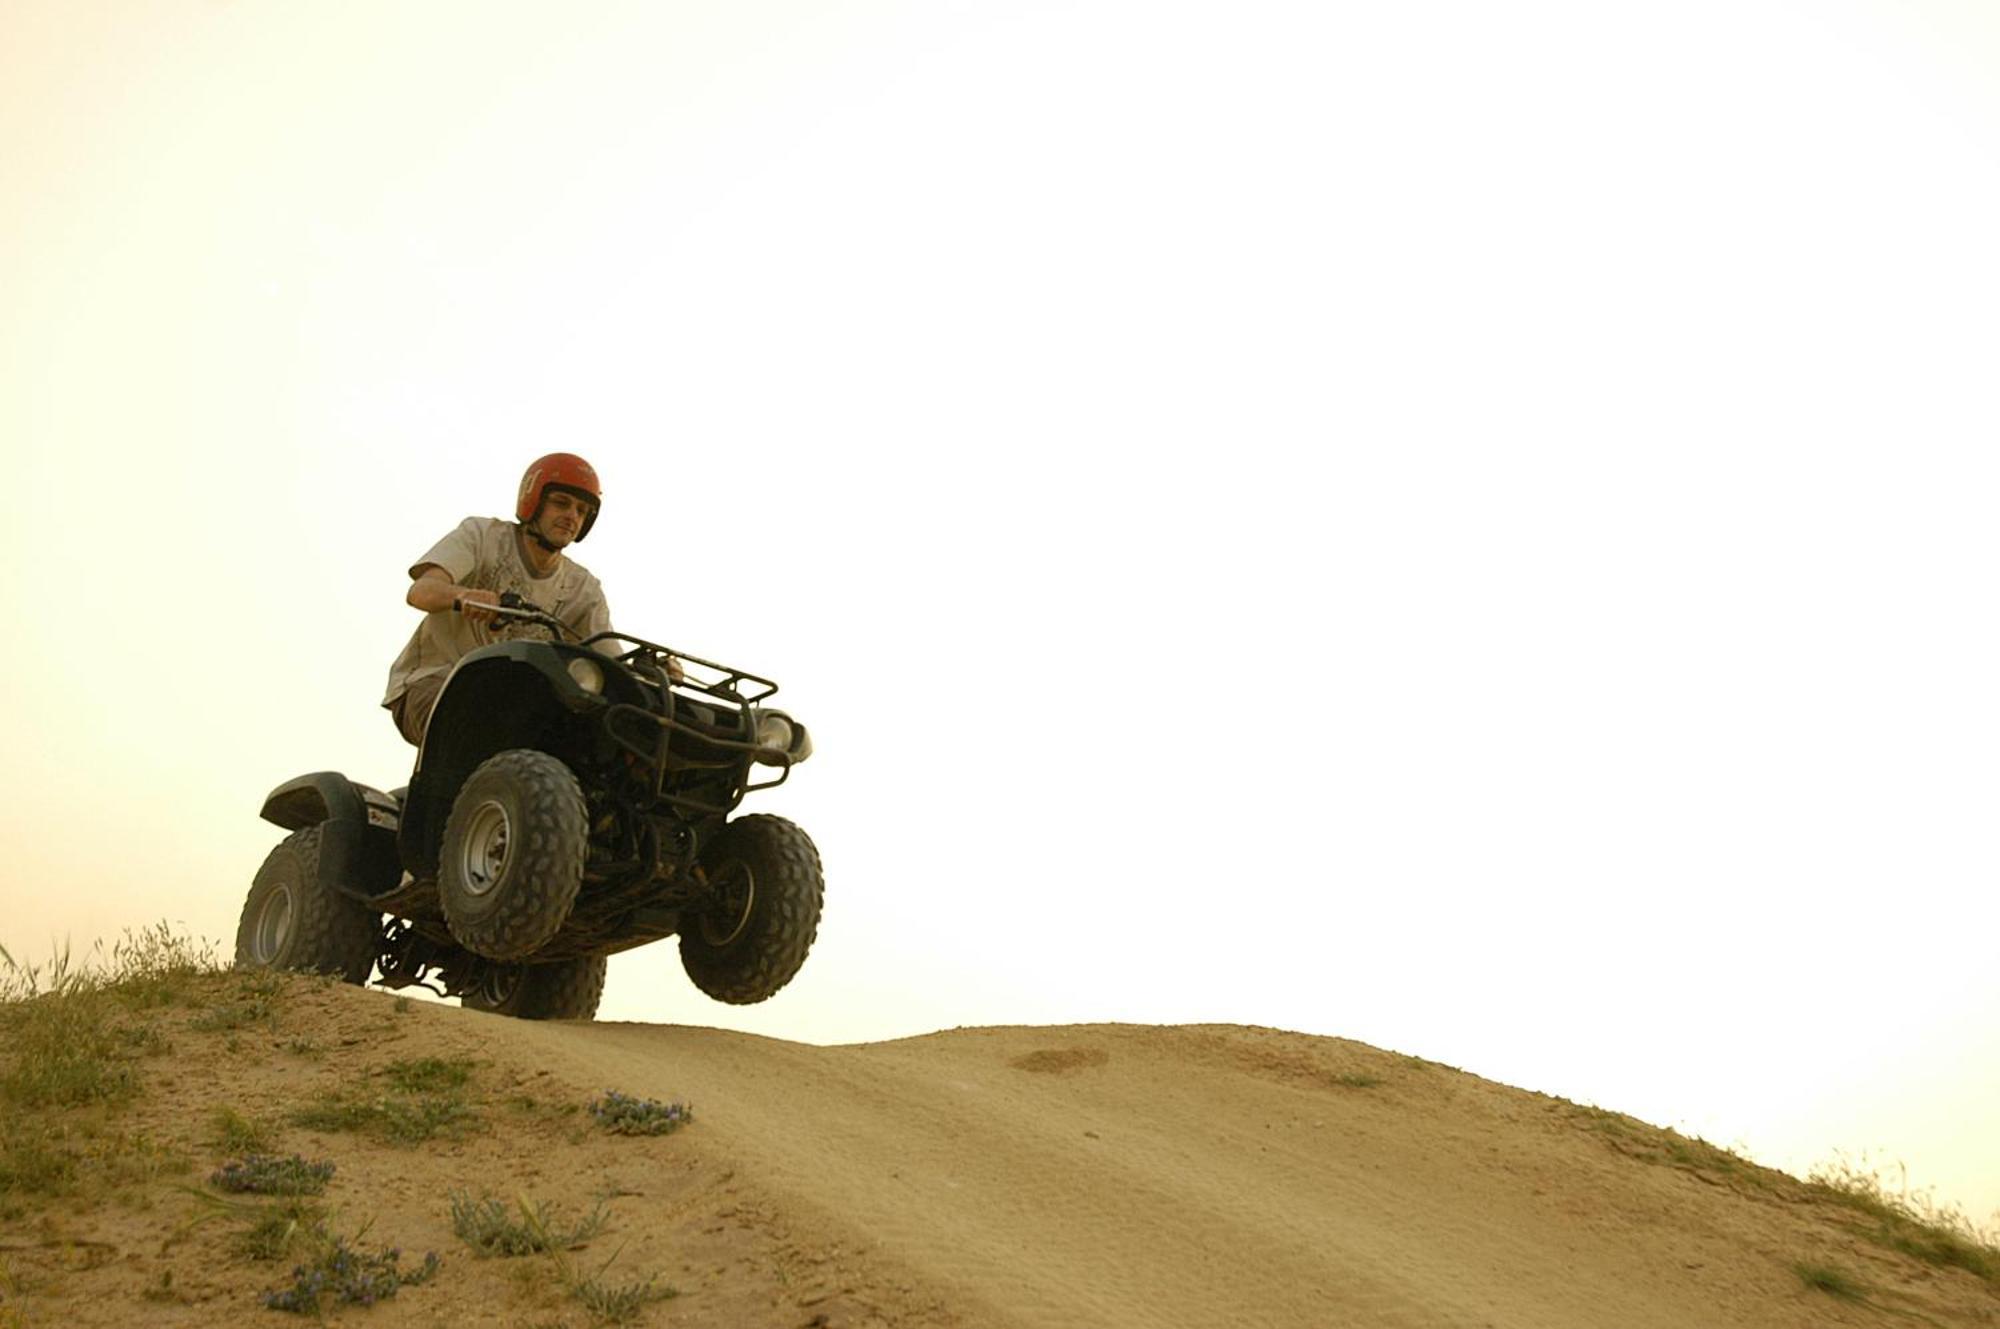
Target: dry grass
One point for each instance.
(80, 1038)
(1894, 1216)
(75, 1033)
(1912, 1222)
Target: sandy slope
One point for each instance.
(1106, 1175)
(1087, 1176)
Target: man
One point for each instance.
(483, 559)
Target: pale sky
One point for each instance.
(1460, 526)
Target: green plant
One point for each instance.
(340, 1274)
(490, 1229)
(1824, 1278)
(32, 1161)
(238, 1134)
(622, 1114)
(276, 1230)
(12, 1288)
(253, 997)
(135, 1159)
(486, 1225)
(428, 1074)
(156, 966)
(71, 1033)
(426, 1098)
(616, 1303)
(66, 1051)
(397, 1118)
(262, 1174)
(619, 1303)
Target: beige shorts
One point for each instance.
(412, 707)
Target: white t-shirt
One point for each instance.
(481, 553)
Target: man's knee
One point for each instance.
(412, 710)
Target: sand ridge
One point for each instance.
(1125, 1175)
(1094, 1175)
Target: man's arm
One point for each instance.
(433, 590)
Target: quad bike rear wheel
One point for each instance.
(291, 921)
(753, 935)
(565, 990)
(512, 859)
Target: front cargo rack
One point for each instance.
(736, 689)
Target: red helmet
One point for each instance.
(559, 470)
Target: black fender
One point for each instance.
(357, 848)
(512, 694)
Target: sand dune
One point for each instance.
(1087, 1175)
(1108, 1175)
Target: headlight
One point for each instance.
(589, 675)
(774, 732)
(784, 740)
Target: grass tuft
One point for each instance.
(1825, 1278)
(490, 1229)
(71, 1031)
(263, 1174)
(427, 1075)
(427, 1098)
(156, 966)
(238, 1134)
(620, 1303)
(32, 1162)
(65, 1050)
(487, 1227)
(399, 1119)
(278, 1230)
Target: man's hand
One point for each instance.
(475, 604)
(434, 590)
(675, 674)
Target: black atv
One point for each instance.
(566, 804)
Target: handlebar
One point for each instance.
(513, 605)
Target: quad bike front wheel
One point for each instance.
(291, 921)
(565, 990)
(754, 932)
(513, 853)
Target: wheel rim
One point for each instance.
(274, 926)
(482, 856)
(735, 895)
(499, 985)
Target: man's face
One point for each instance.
(562, 516)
